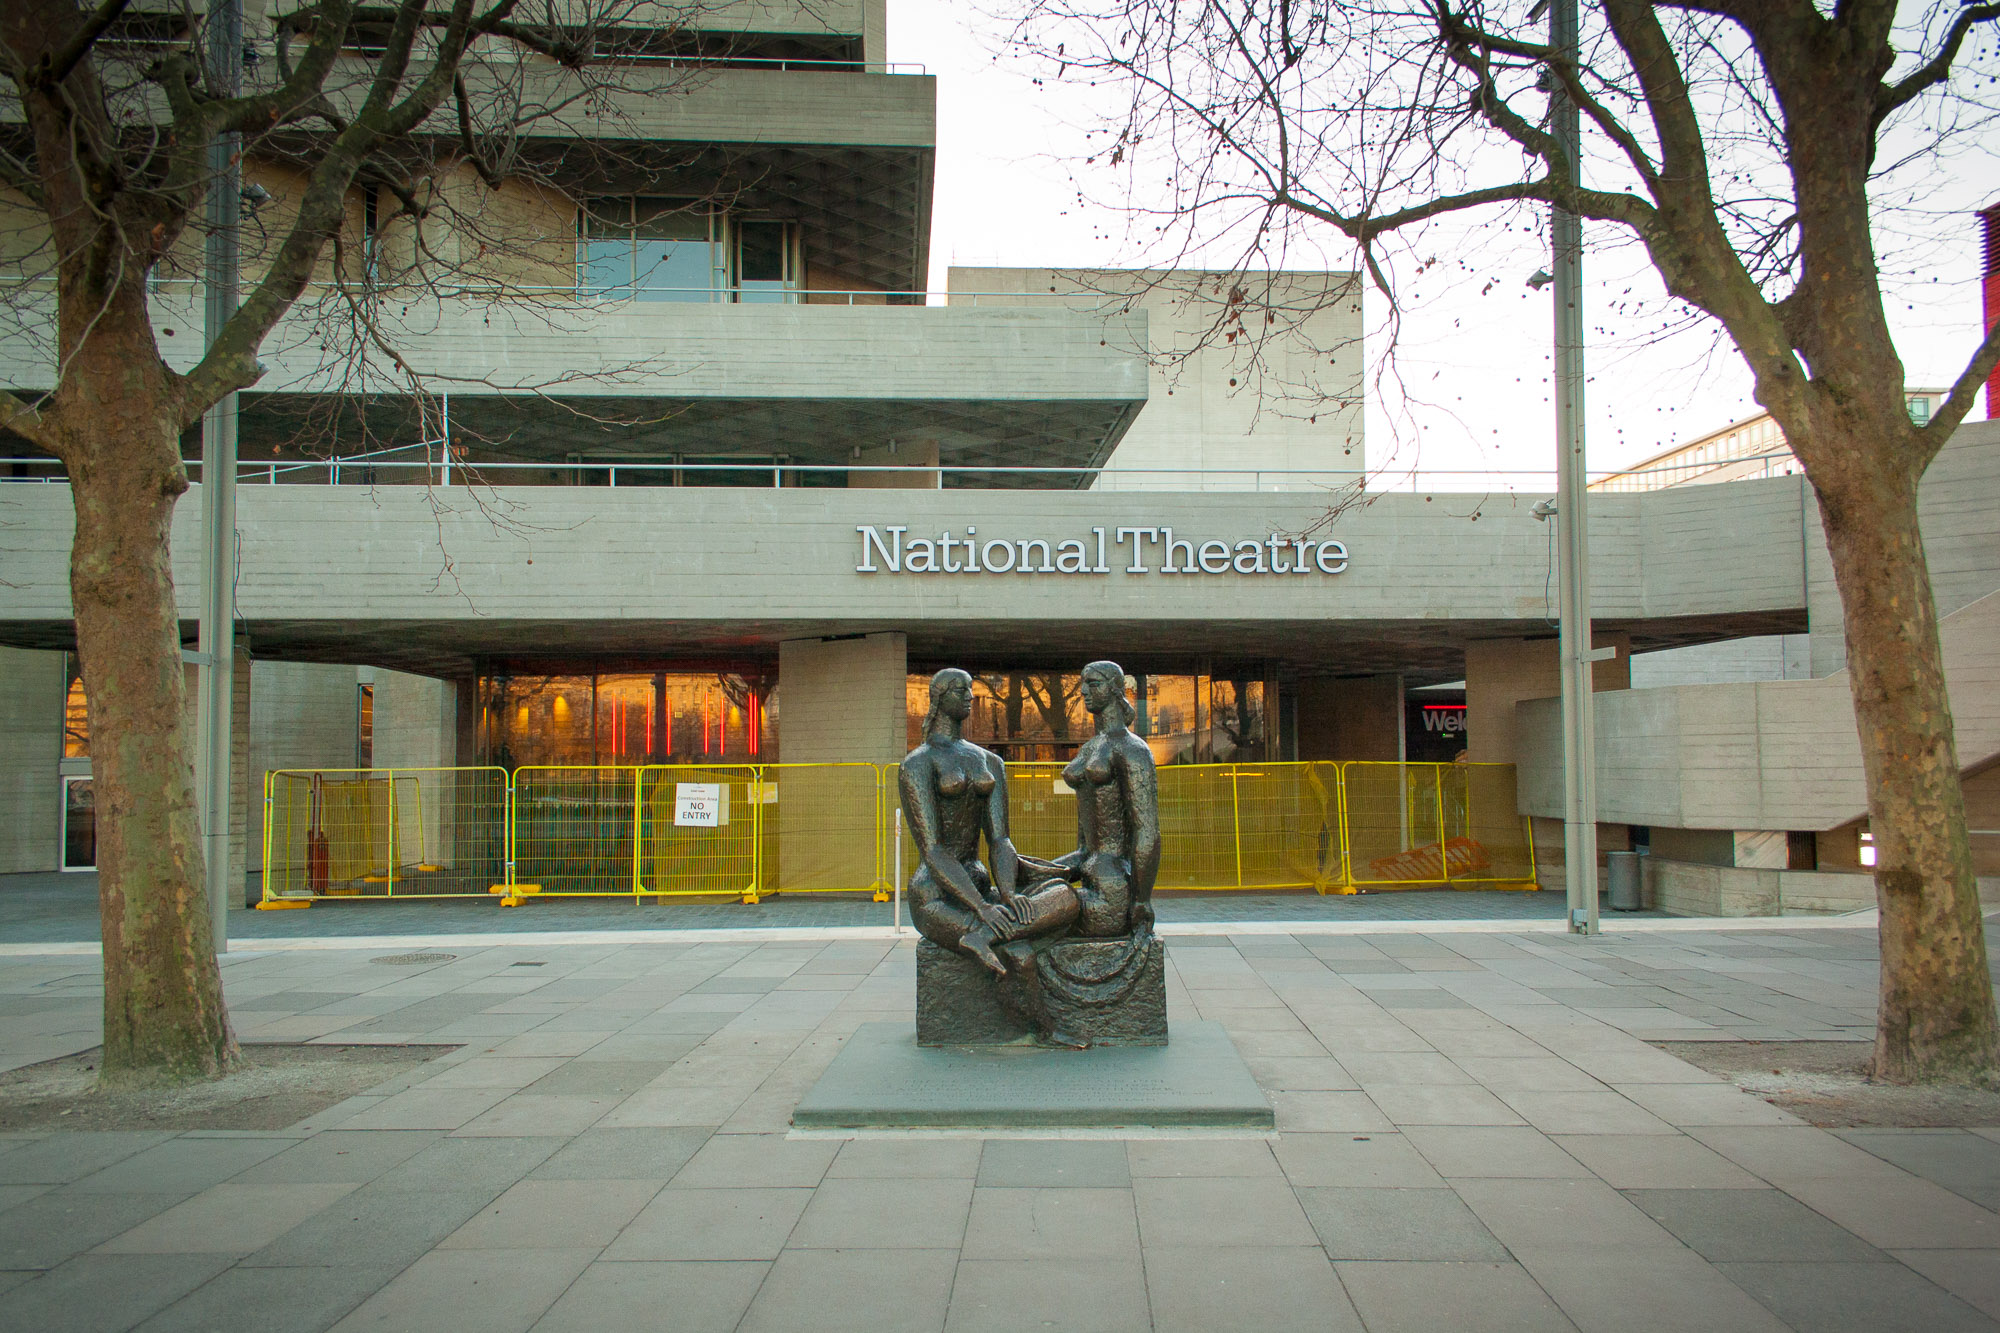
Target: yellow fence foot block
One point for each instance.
(282, 904)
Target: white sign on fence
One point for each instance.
(701, 804)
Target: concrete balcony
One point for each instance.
(1053, 386)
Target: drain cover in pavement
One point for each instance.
(413, 959)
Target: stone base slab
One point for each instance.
(882, 1079)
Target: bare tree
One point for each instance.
(386, 128)
(1746, 146)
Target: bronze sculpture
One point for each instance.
(1078, 940)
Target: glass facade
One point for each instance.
(628, 718)
(648, 249)
(1185, 719)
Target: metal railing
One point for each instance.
(442, 467)
(747, 831)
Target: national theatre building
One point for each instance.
(702, 502)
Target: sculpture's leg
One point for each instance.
(1042, 909)
(1027, 974)
(945, 923)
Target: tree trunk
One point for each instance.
(1936, 1016)
(120, 438)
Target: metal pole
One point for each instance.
(897, 910)
(1578, 711)
(217, 644)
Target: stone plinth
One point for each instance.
(882, 1078)
(1099, 991)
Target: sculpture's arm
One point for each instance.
(1142, 805)
(916, 783)
(999, 840)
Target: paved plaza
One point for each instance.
(1472, 1133)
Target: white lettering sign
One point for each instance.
(701, 804)
(891, 549)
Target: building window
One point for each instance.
(364, 727)
(1920, 410)
(767, 262)
(76, 711)
(650, 250)
(626, 718)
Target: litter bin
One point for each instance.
(1624, 877)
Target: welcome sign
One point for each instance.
(890, 549)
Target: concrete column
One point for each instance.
(1499, 673)
(1354, 717)
(303, 715)
(843, 699)
(416, 727)
(31, 720)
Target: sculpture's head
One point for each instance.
(951, 696)
(1104, 687)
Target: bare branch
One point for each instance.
(1938, 68)
(57, 67)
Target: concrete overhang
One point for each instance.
(553, 378)
(380, 575)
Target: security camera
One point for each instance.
(255, 197)
(1544, 510)
(1541, 279)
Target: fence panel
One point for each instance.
(1406, 825)
(1287, 826)
(699, 829)
(401, 833)
(820, 829)
(573, 829)
(747, 830)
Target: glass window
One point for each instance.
(364, 726)
(76, 713)
(1039, 716)
(648, 250)
(628, 718)
(766, 262)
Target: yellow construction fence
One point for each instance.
(747, 830)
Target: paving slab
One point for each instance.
(101, 1293)
(883, 1078)
(227, 1219)
(854, 1291)
(1055, 1163)
(1398, 1224)
(689, 1297)
(494, 1291)
(1419, 1297)
(712, 1224)
(1040, 1224)
(1751, 1226)
(1856, 1298)
(1273, 1289)
(1004, 1296)
(272, 1300)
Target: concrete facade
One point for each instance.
(1236, 403)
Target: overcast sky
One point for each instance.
(1467, 387)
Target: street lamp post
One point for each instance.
(1572, 486)
(216, 647)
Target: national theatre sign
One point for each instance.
(889, 549)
